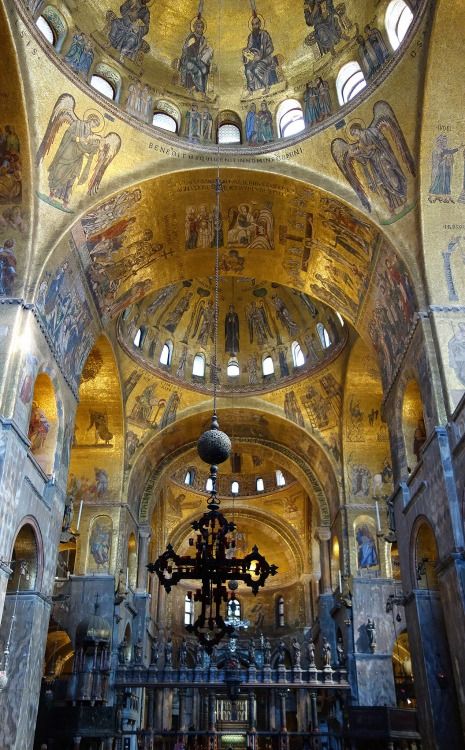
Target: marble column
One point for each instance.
(282, 706)
(143, 558)
(306, 580)
(149, 722)
(323, 534)
(272, 710)
(314, 711)
(76, 743)
(252, 710)
(182, 710)
(211, 711)
(158, 710)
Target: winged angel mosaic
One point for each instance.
(83, 154)
(371, 163)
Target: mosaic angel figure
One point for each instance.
(81, 149)
(370, 162)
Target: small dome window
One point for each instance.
(234, 610)
(198, 367)
(209, 485)
(340, 318)
(235, 488)
(267, 365)
(280, 479)
(259, 485)
(324, 336)
(297, 354)
(349, 82)
(139, 338)
(280, 612)
(47, 30)
(397, 21)
(188, 609)
(229, 133)
(166, 355)
(233, 368)
(165, 122)
(103, 86)
(290, 118)
(189, 477)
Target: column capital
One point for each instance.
(145, 532)
(323, 533)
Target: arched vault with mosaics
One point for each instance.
(255, 208)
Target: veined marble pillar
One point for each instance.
(323, 534)
(252, 710)
(282, 705)
(143, 557)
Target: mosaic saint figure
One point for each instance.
(370, 162)
(231, 331)
(442, 169)
(110, 211)
(367, 553)
(258, 58)
(322, 15)
(7, 267)
(193, 124)
(311, 105)
(250, 125)
(196, 57)
(456, 349)
(126, 33)
(264, 124)
(80, 55)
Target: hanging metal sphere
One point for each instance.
(214, 446)
(233, 585)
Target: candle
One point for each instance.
(79, 515)
(378, 520)
(340, 581)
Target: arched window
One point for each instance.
(324, 336)
(397, 21)
(349, 82)
(290, 118)
(166, 355)
(25, 560)
(47, 30)
(233, 368)
(188, 609)
(297, 354)
(139, 338)
(229, 133)
(267, 365)
(340, 318)
(165, 122)
(103, 86)
(280, 612)
(189, 478)
(132, 561)
(280, 480)
(235, 488)
(209, 484)
(198, 368)
(234, 610)
(259, 484)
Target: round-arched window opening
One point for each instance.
(103, 86)
(139, 338)
(298, 357)
(47, 30)
(24, 561)
(235, 488)
(166, 355)
(280, 479)
(267, 365)
(426, 558)
(198, 367)
(397, 21)
(229, 133)
(132, 561)
(233, 368)
(349, 82)
(260, 485)
(340, 318)
(325, 341)
(188, 609)
(290, 118)
(165, 122)
(209, 485)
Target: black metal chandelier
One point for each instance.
(214, 563)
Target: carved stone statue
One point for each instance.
(326, 653)
(122, 651)
(252, 652)
(183, 653)
(154, 651)
(169, 652)
(267, 653)
(371, 633)
(296, 652)
(341, 657)
(138, 651)
(199, 656)
(281, 653)
(311, 653)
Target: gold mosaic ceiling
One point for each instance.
(255, 320)
(218, 55)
